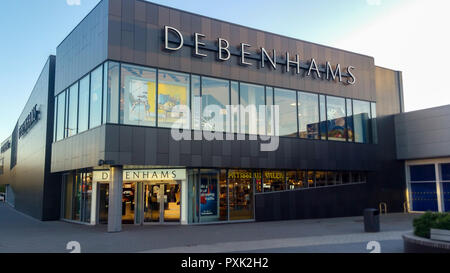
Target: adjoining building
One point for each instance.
(101, 148)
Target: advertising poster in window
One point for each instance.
(141, 100)
(208, 197)
(169, 96)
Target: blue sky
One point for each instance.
(405, 35)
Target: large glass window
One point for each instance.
(95, 106)
(111, 93)
(83, 106)
(321, 179)
(422, 173)
(350, 130)
(215, 98)
(196, 102)
(323, 117)
(213, 195)
(274, 181)
(287, 103)
(336, 117)
(296, 180)
(308, 115)
(241, 194)
(138, 95)
(60, 116)
(373, 115)
(251, 98)
(361, 121)
(173, 90)
(270, 118)
(234, 125)
(72, 119)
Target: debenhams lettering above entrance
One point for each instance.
(143, 175)
(174, 41)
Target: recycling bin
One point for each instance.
(371, 220)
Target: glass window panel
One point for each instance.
(173, 90)
(308, 115)
(95, 113)
(270, 119)
(323, 118)
(361, 118)
(446, 196)
(60, 116)
(86, 196)
(241, 194)
(287, 103)
(258, 180)
(296, 180)
(213, 195)
(193, 197)
(445, 171)
(424, 197)
(311, 179)
(349, 129)
(105, 94)
(215, 98)
(274, 181)
(72, 111)
(68, 193)
(346, 178)
(196, 102)
(422, 173)
(138, 95)
(235, 111)
(333, 178)
(336, 117)
(111, 97)
(373, 109)
(321, 179)
(83, 105)
(252, 96)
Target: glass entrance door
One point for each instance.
(128, 203)
(103, 203)
(162, 202)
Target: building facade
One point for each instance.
(143, 128)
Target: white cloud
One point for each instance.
(373, 2)
(413, 39)
(73, 2)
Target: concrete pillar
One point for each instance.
(115, 200)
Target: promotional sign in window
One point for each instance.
(208, 197)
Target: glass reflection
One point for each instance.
(83, 105)
(95, 112)
(241, 194)
(138, 96)
(253, 96)
(336, 117)
(287, 103)
(361, 121)
(308, 115)
(173, 90)
(215, 98)
(72, 111)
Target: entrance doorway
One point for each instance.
(128, 203)
(162, 202)
(103, 203)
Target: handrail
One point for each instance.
(382, 206)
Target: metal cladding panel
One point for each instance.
(83, 49)
(136, 35)
(30, 178)
(423, 134)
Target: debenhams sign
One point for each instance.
(174, 41)
(143, 175)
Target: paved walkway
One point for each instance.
(20, 233)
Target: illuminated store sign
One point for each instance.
(29, 122)
(143, 175)
(223, 53)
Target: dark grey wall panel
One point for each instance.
(35, 191)
(84, 48)
(80, 151)
(423, 133)
(135, 35)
